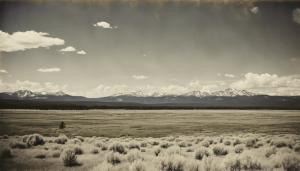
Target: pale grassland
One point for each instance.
(149, 123)
(225, 152)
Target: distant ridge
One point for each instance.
(29, 95)
(226, 99)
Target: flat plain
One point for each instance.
(146, 123)
(150, 140)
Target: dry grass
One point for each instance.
(179, 153)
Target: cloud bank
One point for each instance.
(3, 71)
(49, 70)
(68, 49)
(20, 41)
(103, 24)
(269, 83)
(32, 86)
(139, 77)
(81, 52)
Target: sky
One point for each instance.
(101, 48)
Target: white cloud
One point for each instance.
(32, 86)
(205, 87)
(103, 24)
(105, 90)
(20, 41)
(296, 15)
(173, 89)
(139, 77)
(81, 52)
(48, 69)
(254, 10)
(269, 83)
(229, 75)
(68, 49)
(3, 71)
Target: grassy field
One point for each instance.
(145, 123)
(150, 140)
(247, 152)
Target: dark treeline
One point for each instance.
(85, 105)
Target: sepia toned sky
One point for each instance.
(103, 48)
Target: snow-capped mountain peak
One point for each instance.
(24, 93)
(230, 92)
(197, 94)
(29, 94)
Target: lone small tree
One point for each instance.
(62, 125)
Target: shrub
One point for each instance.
(69, 158)
(143, 144)
(236, 142)
(227, 143)
(279, 143)
(189, 150)
(182, 144)
(239, 148)
(154, 143)
(134, 155)
(220, 151)
(40, 156)
(209, 164)
(104, 148)
(165, 145)
(5, 153)
(17, 144)
(81, 138)
(118, 147)
(138, 166)
(205, 144)
(290, 162)
(33, 140)
(61, 139)
(173, 150)
(200, 153)
(62, 125)
(297, 148)
(221, 140)
(56, 154)
(232, 163)
(99, 144)
(74, 141)
(259, 144)
(77, 150)
(104, 166)
(198, 140)
(94, 151)
(248, 162)
(113, 158)
(270, 151)
(133, 145)
(172, 163)
(250, 142)
(5, 137)
(192, 165)
(157, 151)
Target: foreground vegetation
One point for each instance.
(174, 153)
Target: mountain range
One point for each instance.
(228, 98)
